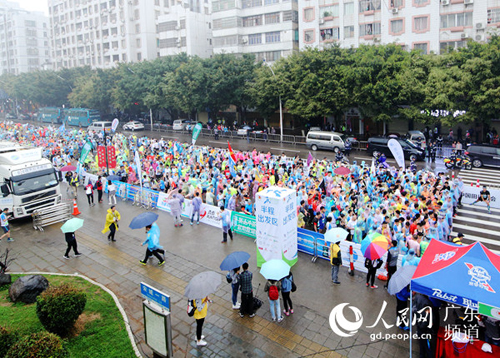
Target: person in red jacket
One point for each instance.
(99, 189)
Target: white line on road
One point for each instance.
(287, 150)
(475, 229)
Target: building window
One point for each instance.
(421, 47)
(139, 56)
(223, 5)
(157, 2)
(138, 28)
(456, 20)
(493, 16)
(136, 14)
(308, 36)
(138, 42)
(348, 8)
(397, 27)
(348, 32)
(250, 3)
(273, 37)
(254, 39)
(397, 3)
(369, 5)
(329, 34)
(329, 11)
(252, 21)
(451, 45)
(273, 18)
(421, 24)
(270, 2)
(421, 2)
(309, 14)
(369, 29)
(291, 16)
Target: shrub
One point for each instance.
(59, 307)
(7, 339)
(38, 345)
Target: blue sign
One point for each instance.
(152, 294)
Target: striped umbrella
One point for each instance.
(374, 246)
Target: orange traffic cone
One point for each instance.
(75, 208)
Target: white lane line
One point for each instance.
(477, 238)
(476, 229)
(479, 221)
(287, 150)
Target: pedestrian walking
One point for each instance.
(4, 222)
(74, 183)
(287, 286)
(273, 288)
(246, 289)
(225, 218)
(71, 241)
(234, 274)
(200, 313)
(372, 266)
(154, 247)
(485, 197)
(175, 205)
(99, 188)
(335, 261)
(111, 193)
(196, 203)
(89, 190)
(392, 261)
(111, 225)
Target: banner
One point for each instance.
(276, 229)
(138, 164)
(397, 152)
(115, 124)
(243, 224)
(471, 193)
(111, 157)
(196, 132)
(85, 151)
(101, 156)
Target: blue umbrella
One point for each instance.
(113, 177)
(275, 269)
(234, 259)
(143, 220)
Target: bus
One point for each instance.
(52, 115)
(81, 117)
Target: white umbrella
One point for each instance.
(336, 234)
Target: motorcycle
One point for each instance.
(458, 162)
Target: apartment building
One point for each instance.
(24, 39)
(267, 28)
(100, 33)
(427, 25)
(186, 28)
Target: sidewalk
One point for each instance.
(191, 250)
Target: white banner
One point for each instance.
(397, 152)
(471, 193)
(91, 177)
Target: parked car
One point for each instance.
(180, 124)
(10, 116)
(25, 117)
(133, 126)
(243, 130)
(100, 126)
(410, 150)
(484, 154)
(325, 140)
(415, 137)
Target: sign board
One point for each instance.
(152, 294)
(276, 225)
(157, 329)
(243, 224)
(471, 193)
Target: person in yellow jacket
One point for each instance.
(200, 312)
(112, 219)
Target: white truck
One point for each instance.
(28, 182)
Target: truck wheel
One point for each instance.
(314, 147)
(336, 149)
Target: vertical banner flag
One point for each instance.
(114, 125)
(310, 158)
(231, 153)
(276, 225)
(101, 156)
(196, 132)
(111, 157)
(137, 162)
(397, 152)
(85, 151)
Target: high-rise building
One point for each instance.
(428, 25)
(24, 39)
(267, 28)
(187, 27)
(100, 33)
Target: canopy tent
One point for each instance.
(464, 275)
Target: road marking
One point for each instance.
(287, 150)
(478, 239)
(478, 206)
(475, 228)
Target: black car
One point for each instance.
(484, 154)
(410, 150)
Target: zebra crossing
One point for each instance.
(474, 221)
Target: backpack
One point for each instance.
(229, 279)
(190, 308)
(273, 293)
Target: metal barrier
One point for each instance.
(51, 215)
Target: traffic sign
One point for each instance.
(152, 294)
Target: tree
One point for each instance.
(94, 91)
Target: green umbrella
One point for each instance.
(72, 225)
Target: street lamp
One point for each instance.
(281, 106)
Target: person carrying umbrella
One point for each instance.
(200, 312)
(112, 219)
(68, 230)
(154, 247)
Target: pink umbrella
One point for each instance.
(68, 168)
(342, 171)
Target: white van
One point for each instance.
(326, 140)
(100, 126)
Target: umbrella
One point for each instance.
(234, 259)
(68, 168)
(275, 269)
(374, 246)
(113, 177)
(342, 171)
(336, 234)
(202, 285)
(401, 279)
(143, 220)
(72, 225)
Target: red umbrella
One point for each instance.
(342, 171)
(68, 168)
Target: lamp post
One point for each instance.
(281, 106)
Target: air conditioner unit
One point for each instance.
(468, 2)
(464, 36)
(321, 21)
(479, 38)
(480, 26)
(445, 2)
(395, 11)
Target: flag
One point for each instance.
(322, 186)
(196, 132)
(231, 153)
(231, 165)
(137, 162)
(310, 158)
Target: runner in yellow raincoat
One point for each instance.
(112, 219)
